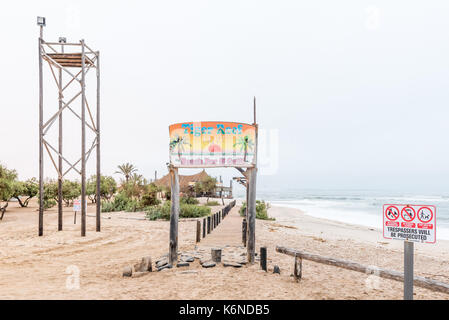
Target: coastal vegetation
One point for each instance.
(212, 203)
(134, 193)
(261, 210)
(185, 211)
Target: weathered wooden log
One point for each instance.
(380, 272)
(263, 258)
(144, 265)
(127, 271)
(198, 231)
(216, 255)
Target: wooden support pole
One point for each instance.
(198, 230)
(60, 208)
(204, 228)
(83, 142)
(263, 258)
(174, 216)
(98, 189)
(380, 272)
(41, 140)
(251, 238)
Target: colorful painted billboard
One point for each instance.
(212, 144)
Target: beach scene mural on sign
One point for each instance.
(212, 144)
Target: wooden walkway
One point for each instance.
(227, 233)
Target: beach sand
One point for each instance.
(33, 267)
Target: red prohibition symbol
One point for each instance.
(408, 213)
(425, 216)
(392, 213)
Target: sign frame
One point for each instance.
(415, 221)
(200, 129)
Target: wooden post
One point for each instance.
(263, 258)
(216, 255)
(208, 224)
(198, 231)
(174, 216)
(98, 191)
(60, 215)
(41, 141)
(297, 272)
(251, 238)
(244, 231)
(83, 142)
(204, 228)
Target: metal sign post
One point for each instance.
(408, 270)
(410, 223)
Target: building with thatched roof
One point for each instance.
(187, 183)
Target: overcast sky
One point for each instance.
(355, 92)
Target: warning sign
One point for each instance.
(409, 222)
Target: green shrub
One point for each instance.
(188, 200)
(150, 199)
(261, 210)
(107, 206)
(48, 203)
(193, 211)
(186, 211)
(133, 206)
(212, 203)
(121, 203)
(159, 212)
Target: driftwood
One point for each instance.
(383, 273)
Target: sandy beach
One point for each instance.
(33, 267)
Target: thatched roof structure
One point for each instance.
(184, 181)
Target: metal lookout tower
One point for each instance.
(69, 64)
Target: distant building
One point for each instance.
(187, 184)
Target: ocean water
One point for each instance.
(355, 207)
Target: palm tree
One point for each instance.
(126, 169)
(178, 142)
(245, 143)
